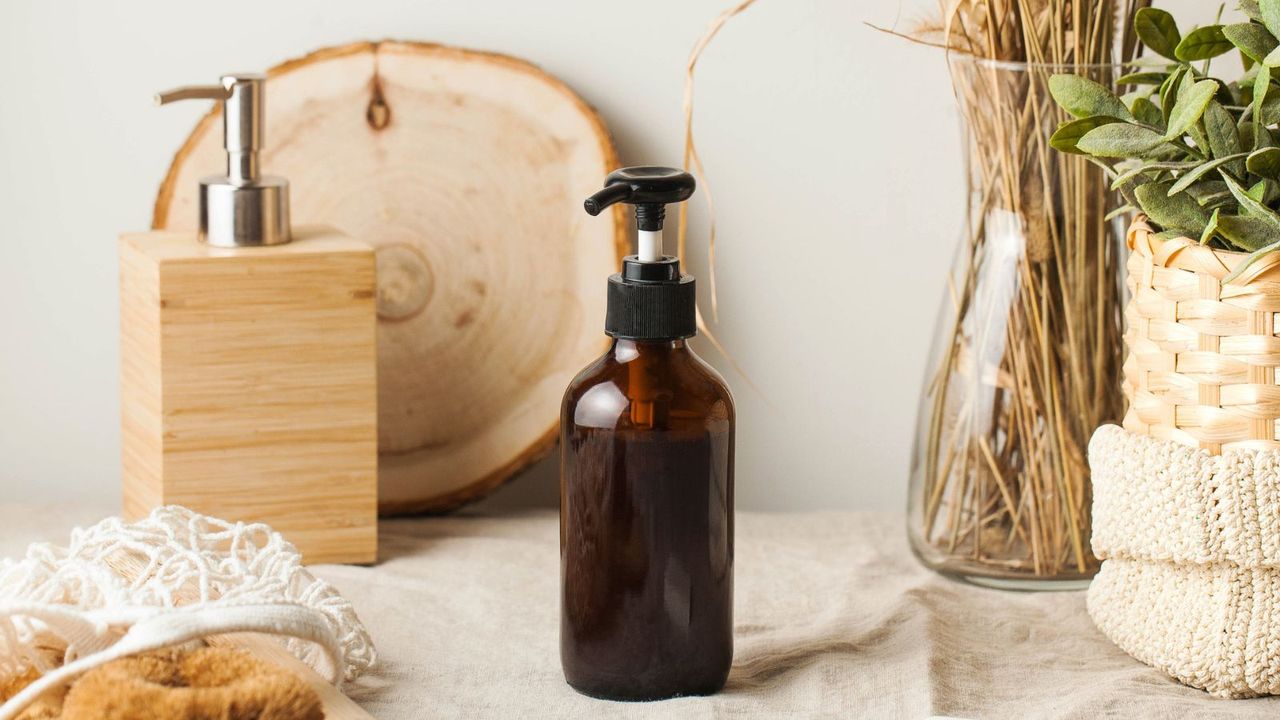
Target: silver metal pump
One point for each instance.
(242, 208)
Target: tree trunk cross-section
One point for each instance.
(466, 171)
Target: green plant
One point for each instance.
(1198, 155)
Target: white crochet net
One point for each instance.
(173, 558)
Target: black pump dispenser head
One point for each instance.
(650, 300)
(648, 188)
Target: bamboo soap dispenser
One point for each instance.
(248, 368)
(646, 481)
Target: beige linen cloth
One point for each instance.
(833, 618)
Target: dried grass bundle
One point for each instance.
(1028, 363)
(1058, 32)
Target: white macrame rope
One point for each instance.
(62, 605)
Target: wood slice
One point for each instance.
(467, 171)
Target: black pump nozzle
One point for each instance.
(649, 188)
(650, 300)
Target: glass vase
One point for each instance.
(1027, 352)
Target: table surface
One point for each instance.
(833, 618)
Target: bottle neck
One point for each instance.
(649, 404)
(626, 350)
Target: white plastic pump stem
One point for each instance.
(650, 246)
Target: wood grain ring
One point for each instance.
(467, 171)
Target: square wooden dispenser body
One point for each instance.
(249, 385)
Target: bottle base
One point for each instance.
(643, 695)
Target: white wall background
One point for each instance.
(832, 151)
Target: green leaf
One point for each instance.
(1265, 162)
(1224, 138)
(1272, 59)
(1119, 140)
(1084, 98)
(1203, 43)
(1212, 194)
(1158, 31)
(1210, 229)
(1261, 137)
(1251, 206)
(1258, 191)
(1068, 134)
(1269, 10)
(1142, 167)
(1142, 78)
(1251, 259)
(1271, 109)
(1252, 39)
(1200, 171)
(1170, 90)
(1203, 191)
(1261, 84)
(1146, 112)
(1122, 210)
(1190, 107)
(1198, 139)
(1179, 213)
(1251, 9)
(1247, 233)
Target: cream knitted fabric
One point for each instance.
(1161, 500)
(1191, 543)
(1213, 627)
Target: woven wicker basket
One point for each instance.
(1202, 356)
(1186, 514)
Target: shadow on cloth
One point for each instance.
(842, 639)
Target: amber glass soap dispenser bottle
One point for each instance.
(646, 488)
